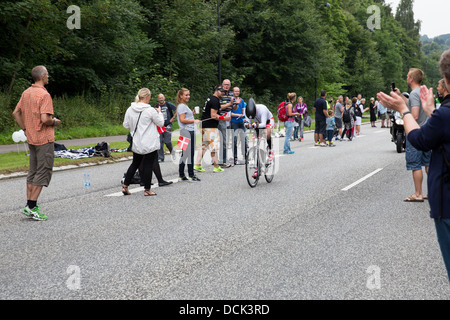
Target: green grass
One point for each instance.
(15, 162)
(61, 133)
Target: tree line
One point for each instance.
(266, 47)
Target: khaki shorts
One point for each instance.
(210, 138)
(41, 164)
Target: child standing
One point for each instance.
(330, 128)
(347, 119)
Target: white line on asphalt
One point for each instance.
(380, 131)
(361, 180)
(135, 190)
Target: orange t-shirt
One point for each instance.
(35, 101)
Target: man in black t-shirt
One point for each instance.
(321, 118)
(210, 133)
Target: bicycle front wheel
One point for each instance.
(252, 167)
(269, 166)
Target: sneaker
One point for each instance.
(164, 183)
(316, 144)
(37, 215)
(184, 179)
(199, 168)
(255, 174)
(194, 179)
(27, 211)
(218, 169)
(289, 152)
(225, 165)
(270, 157)
(323, 144)
(301, 139)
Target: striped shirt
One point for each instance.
(35, 101)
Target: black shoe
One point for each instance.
(165, 183)
(194, 178)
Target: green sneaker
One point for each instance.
(37, 215)
(218, 169)
(27, 211)
(199, 168)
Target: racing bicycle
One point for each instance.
(258, 162)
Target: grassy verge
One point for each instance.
(19, 161)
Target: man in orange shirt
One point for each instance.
(34, 114)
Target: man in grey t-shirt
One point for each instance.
(416, 159)
(338, 110)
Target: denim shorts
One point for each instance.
(416, 159)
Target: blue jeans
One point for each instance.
(288, 125)
(443, 236)
(296, 132)
(239, 130)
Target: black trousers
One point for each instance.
(148, 161)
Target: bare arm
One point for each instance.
(184, 120)
(18, 116)
(49, 120)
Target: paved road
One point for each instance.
(300, 237)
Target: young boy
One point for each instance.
(330, 128)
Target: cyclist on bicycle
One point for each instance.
(263, 119)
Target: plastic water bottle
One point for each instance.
(87, 181)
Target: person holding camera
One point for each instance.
(169, 111)
(237, 124)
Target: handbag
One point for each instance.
(307, 121)
(130, 137)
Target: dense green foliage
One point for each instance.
(266, 47)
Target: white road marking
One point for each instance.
(380, 131)
(136, 190)
(361, 180)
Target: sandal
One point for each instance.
(149, 193)
(125, 190)
(413, 199)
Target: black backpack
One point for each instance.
(102, 150)
(346, 116)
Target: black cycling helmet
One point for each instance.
(250, 110)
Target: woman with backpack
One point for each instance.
(348, 120)
(289, 123)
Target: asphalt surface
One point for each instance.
(299, 237)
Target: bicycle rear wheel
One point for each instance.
(252, 167)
